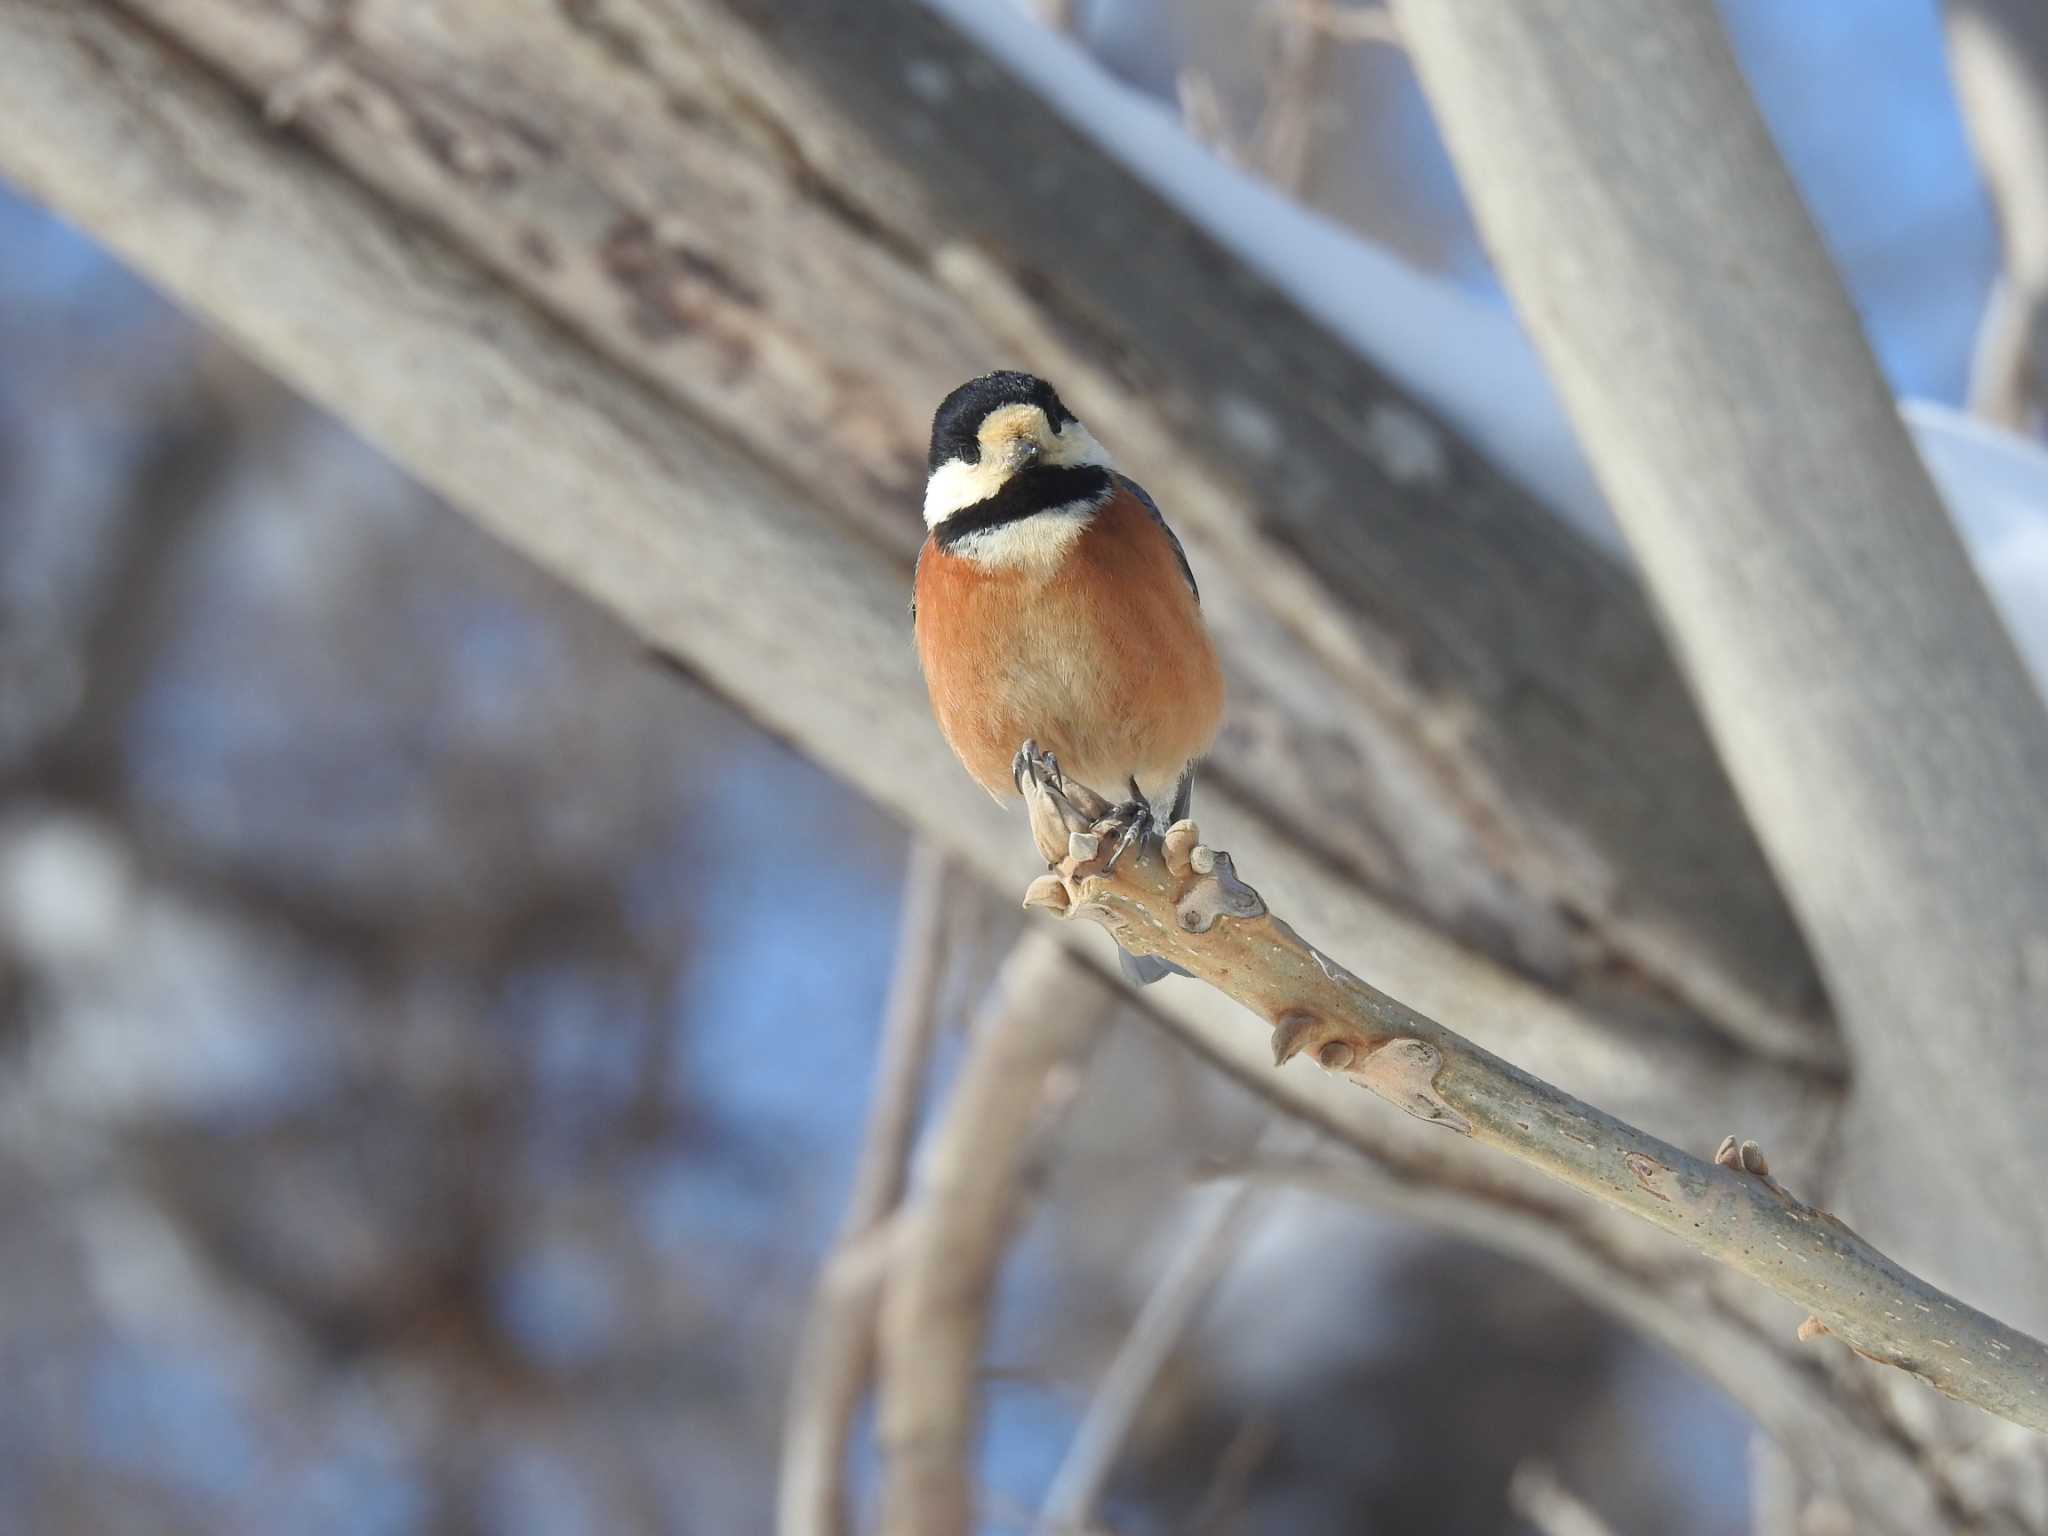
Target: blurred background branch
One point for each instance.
(1549, 1506)
(1998, 54)
(1202, 1253)
(830, 1377)
(1041, 1018)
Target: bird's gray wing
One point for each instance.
(1138, 492)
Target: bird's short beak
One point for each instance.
(1024, 453)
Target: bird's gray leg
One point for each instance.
(1183, 796)
(1139, 818)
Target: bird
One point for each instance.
(1054, 605)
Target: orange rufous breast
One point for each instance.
(1101, 657)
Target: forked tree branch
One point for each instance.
(947, 1241)
(837, 1353)
(1173, 897)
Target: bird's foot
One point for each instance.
(1136, 820)
(1059, 808)
(1033, 764)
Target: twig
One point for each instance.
(910, 1018)
(1171, 896)
(1058, 15)
(1045, 1009)
(837, 1352)
(1352, 24)
(1998, 59)
(1204, 116)
(2004, 358)
(1538, 1497)
(1283, 143)
(1235, 1468)
(1204, 1254)
(1280, 143)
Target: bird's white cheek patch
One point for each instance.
(1075, 444)
(957, 485)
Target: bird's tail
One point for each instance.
(1143, 970)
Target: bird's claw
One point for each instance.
(1059, 807)
(1032, 764)
(1136, 818)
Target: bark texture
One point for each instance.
(720, 560)
(740, 203)
(1174, 897)
(1878, 721)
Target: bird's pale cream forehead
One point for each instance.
(1008, 424)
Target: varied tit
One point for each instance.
(1054, 605)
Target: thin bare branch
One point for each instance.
(1353, 23)
(1535, 1494)
(1175, 898)
(837, 1355)
(908, 1023)
(2005, 357)
(1222, 1507)
(1212, 1239)
(1206, 119)
(1297, 68)
(1297, 36)
(1998, 59)
(949, 1238)
(1057, 15)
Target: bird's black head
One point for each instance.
(1004, 449)
(956, 426)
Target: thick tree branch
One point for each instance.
(1173, 897)
(1046, 1009)
(1874, 713)
(707, 553)
(736, 202)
